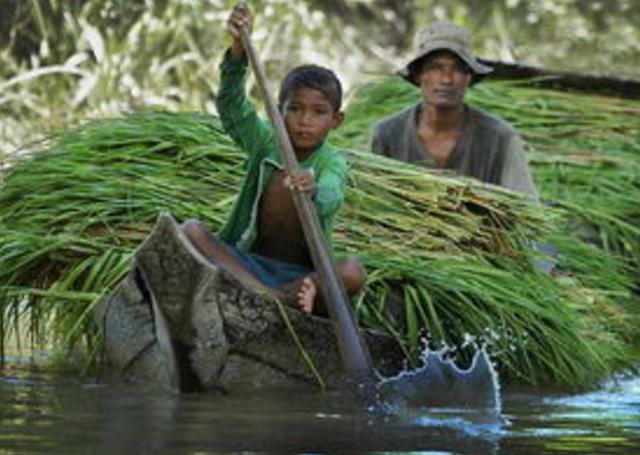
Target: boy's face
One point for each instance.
(444, 79)
(309, 116)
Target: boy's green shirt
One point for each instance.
(255, 136)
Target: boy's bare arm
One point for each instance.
(240, 17)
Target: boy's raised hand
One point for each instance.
(240, 17)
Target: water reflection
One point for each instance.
(599, 423)
(42, 413)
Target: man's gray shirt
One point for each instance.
(489, 148)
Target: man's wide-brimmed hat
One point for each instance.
(445, 36)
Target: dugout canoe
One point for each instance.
(583, 82)
(179, 322)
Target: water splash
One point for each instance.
(440, 394)
(440, 383)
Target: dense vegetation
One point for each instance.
(458, 252)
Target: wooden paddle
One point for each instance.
(355, 356)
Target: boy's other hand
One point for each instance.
(301, 181)
(240, 17)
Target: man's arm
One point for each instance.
(378, 144)
(516, 173)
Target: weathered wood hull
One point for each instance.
(178, 321)
(565, 80)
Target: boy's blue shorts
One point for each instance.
(272, 272)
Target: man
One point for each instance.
(444, 132)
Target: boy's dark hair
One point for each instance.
(316, 77)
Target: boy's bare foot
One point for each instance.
(306, 295)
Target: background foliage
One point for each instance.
(66, 60)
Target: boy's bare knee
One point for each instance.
(192, 227)
(353, 274)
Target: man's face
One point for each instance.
(444, 79)
(309, 116)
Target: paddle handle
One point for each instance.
(354, 354)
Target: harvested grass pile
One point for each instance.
(459, 252)
(585, 150)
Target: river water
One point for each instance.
(42, 412)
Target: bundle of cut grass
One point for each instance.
(458, 252)
(585, 151)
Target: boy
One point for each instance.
(262, 243)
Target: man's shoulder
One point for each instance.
(489, 122)
(395, 120)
